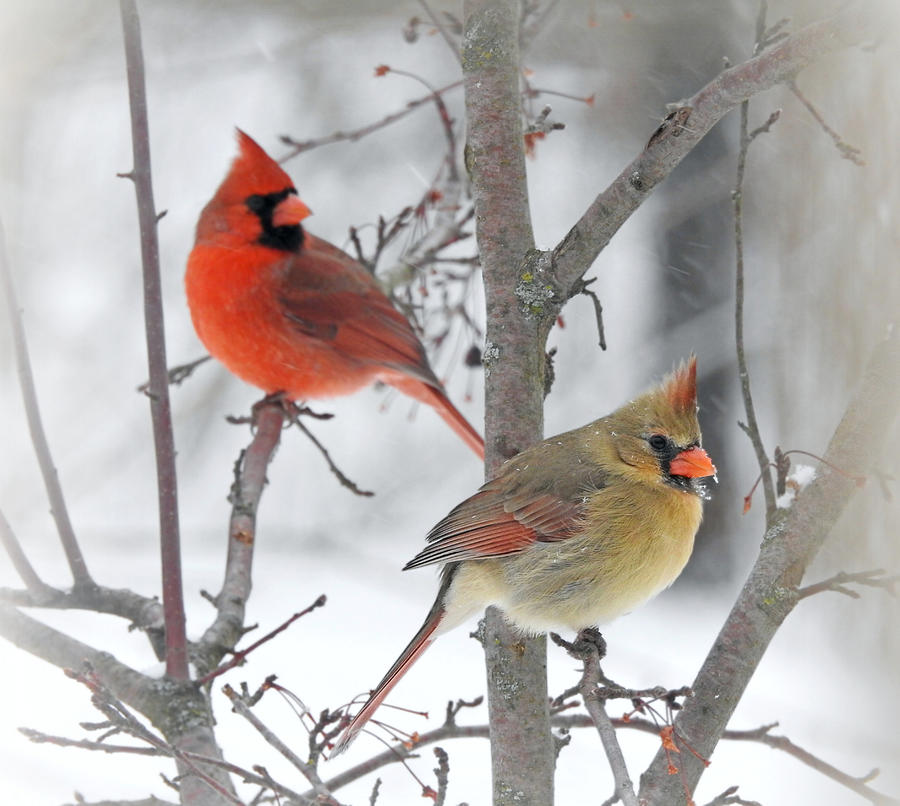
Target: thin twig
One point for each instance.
(859, 785)
(240, 656)
(308, 771)
(454, 46)
(875, 578)
(179, 373)
(587, 648)
(120, 719)
(299, 146)
(847, 151)
(730, 796)
(163, 749)
(344, 480)
(36, 586)
(606, 214)
(530, 30)
(160, 408)
(143, 612)
(598, 309)
(442, 775)
(752, 429)
(58, 509)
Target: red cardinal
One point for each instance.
(291, 313)
(573, 532)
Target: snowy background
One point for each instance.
(822, 284)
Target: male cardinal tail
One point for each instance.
(434, 396)
(420, 642)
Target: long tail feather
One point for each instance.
(435, 397)
(420, 642)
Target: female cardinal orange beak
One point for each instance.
(693, 463)
(290, 212)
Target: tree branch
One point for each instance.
(309, 771)
(143, 613)
(37, 588)
(522, 750)
(299, 146)
(588, 649)
(752, 428)
(65, 652)
(160, 408)
(770, 592)
(692, 120)
(58, 509)
(853, 783)
(250, 479)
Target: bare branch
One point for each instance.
(160, 408)
(240, 656)
(522, 748)
(454, 46)
(769, 593)
(308, 771)
(855, 784)
(752, 427)
(151, 801)
(58, 509)
(345, 480)
(588, 647)
(778, 64)
(160, 748)
(179, 373)
(730, 796)
(120, 720)
(847, 151)
(37, 588)
(876, 578)
(65, 652)
(250, 478)
(299, 146)
(442, 775)
(144, 613)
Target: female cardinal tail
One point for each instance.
(420, 642)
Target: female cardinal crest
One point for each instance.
(574, 531)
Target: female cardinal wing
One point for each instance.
(526, 504)
(328, 296)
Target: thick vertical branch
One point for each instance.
(521, 744)
(160, 409)
(770, 592)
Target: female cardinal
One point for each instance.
(573, 532)
(291, 313)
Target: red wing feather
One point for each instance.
(492, 524)
(329, 296)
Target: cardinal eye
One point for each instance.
(256, 202)
(658, 442)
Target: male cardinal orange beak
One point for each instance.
(290, 212)
(293, 314)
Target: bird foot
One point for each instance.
(587, 641)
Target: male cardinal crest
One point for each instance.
(573, 532)
(289, 312)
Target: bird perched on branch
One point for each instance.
(290, 313)
(574, 531)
